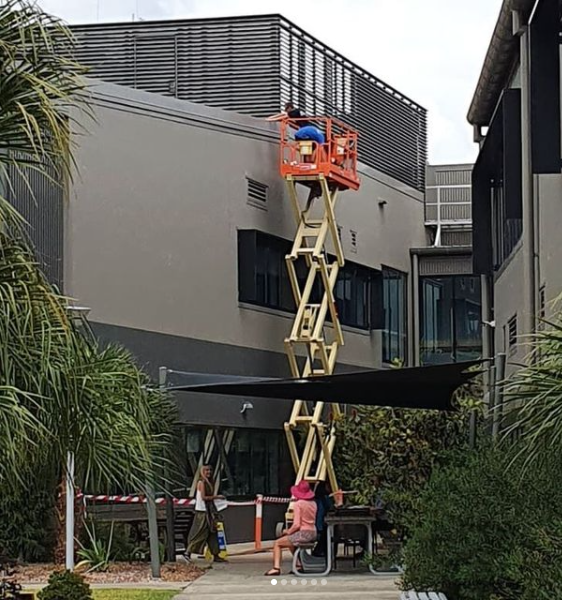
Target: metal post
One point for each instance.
(415, 318)
(153, 532)
(487, 338)
(70, 511)
(529, 279)
(170, 516)
(498, 395)
(492, 397)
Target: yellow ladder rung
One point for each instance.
(319, 340)
(303, 419)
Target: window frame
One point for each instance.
(256, 246)
(390, 274)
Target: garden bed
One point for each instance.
(133, 595)
(120, 572)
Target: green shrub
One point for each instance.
(481, 532)
(28, 521)
(65, 585)
(121, 535)
(401, 447)
(97, 553)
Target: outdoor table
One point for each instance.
(332, 521)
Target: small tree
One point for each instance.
(60, 391)
(399, 448)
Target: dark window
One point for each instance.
(496, 188)
(450, 323)
(263, 280)
(254, 462)
(257, 461)
(394, 306)
(512, 334)
(262, 273)
(506, 231)
(353, 293)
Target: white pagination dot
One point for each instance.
(274, 582)
(293, 582)
(283, 582)
(313, 582)
(303, 581)
(323, 582)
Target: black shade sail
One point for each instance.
(430, 387)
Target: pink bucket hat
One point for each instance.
(302, 491)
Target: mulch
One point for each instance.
(117, 573)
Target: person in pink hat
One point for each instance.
(303, 529)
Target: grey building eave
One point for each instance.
(128, 99)
(101, 92)
(502, 52)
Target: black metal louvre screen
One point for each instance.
(496, 187)
(40, 201)
(253, 65)
(545, 87)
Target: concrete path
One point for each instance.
(242, 579)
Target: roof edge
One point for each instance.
(497, 65)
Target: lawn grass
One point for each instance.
(134, 594)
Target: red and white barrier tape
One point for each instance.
(272, 500)
(177, 501)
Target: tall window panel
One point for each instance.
(450, 319)
(394, 335)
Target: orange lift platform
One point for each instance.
(316, 335)
(335, 160)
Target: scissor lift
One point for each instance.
(316, 336)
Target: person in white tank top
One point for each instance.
(203, 531)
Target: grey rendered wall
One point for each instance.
(508, 303)
(153, 219)
(509, 281)
(549, 190)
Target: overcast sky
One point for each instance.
(430, 50)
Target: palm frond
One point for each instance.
(533, 397)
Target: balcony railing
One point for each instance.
(448, 206)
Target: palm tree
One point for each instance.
(60, 391)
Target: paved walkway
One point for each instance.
(242, 579)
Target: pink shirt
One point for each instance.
(304, 516)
